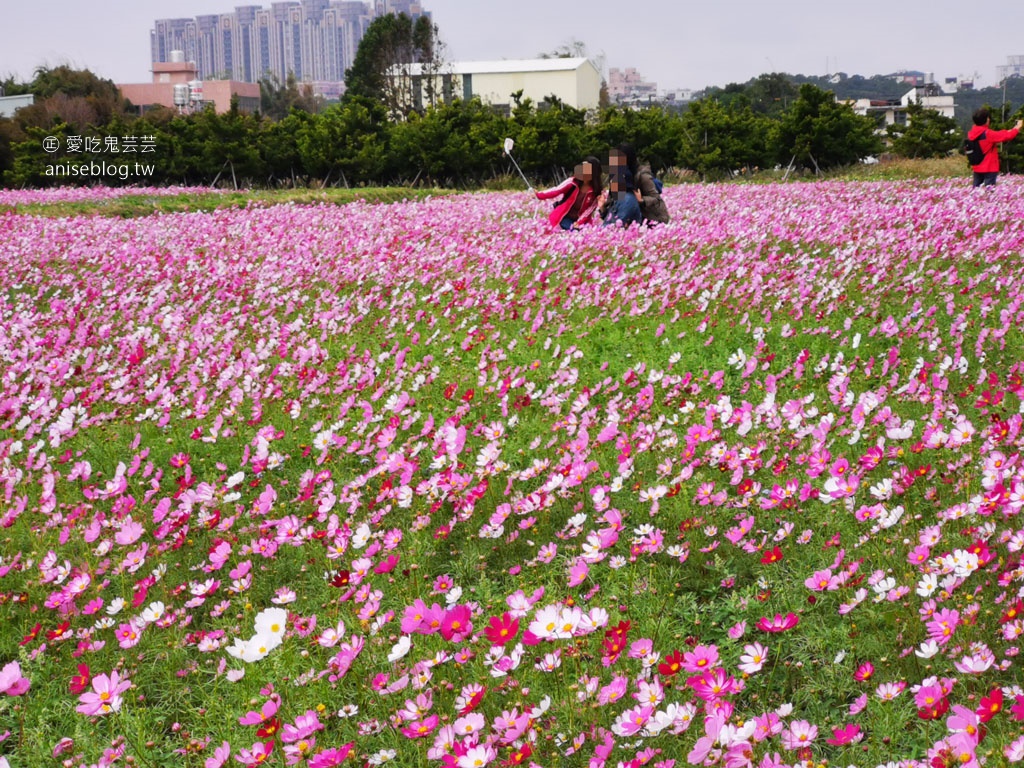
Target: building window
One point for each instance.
(467, 87)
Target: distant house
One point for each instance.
(8, 104)
(176, 84)
(576, 81)
(629, 85)
(894, 111)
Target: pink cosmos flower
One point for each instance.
(257, 755)
(11, 681)
(578, 572)
(889, 691)
(304, 726)
(713, 684)
(128, 635)
(928, 695)
(267, 711)
(332, 757)
(220, 756)
(478, 756)
(632, 721)
(800, 734)
(105, 696)
(614, 691)
(418, 729)
(469, 724)
(965, 721)
(1014, 751)
(700, 658)
(942, 625)
(766, 726)
(822, 581)
(753, 658)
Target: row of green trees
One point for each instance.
(456, 144)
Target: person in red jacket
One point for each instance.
(579, 194)
(987, 171)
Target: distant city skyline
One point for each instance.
(676, 45)
(314, 40)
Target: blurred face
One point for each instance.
(616, 159)
(584, 172)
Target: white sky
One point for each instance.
(677, 44)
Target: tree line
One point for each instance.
(458, 144)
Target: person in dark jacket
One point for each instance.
(987, 171)
(652, 206)
(622, 206)
(579, 196)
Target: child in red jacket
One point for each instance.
(987, 171)
(579, 194)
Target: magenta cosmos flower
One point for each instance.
(778, 624)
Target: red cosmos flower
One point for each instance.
(935, 711)
(502, 630)
(269, 728)
(60, 632)
(672, 664)
(773, 555)
(340, 580)
(1014, 611)
(474, 702)
(864, 672)
(980, 548)
(778, 624)
(519, 756)
(32, 634)
(990, 706)
(467, 395)
(449, 391)
(80, 681)
(620, 630)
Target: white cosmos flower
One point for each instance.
(927, 649)
(400, 649)
(272, 622)
(153, 611)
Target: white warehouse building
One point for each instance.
(576, 81)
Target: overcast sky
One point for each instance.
(677, 44)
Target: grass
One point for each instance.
(133, 206)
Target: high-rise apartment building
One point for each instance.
(315, 40)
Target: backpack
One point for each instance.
(657, 182)
(972, 148)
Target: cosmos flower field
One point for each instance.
(428, 484)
